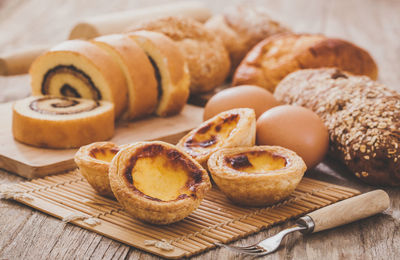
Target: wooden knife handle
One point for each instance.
(350, 210)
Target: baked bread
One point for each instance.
(79, 69)
(258, 175)
(171, 70)
(62, 122)
(232, 128)
(205, 53)
(362, 116)
(93, 161)
(274, 58)
(157, 182)
(241, 27)
(138, 71)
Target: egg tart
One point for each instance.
(93, 161)
(256, 176)
(232, 128)
(157, 182)
(62, 122)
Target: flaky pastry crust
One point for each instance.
(95, 168)
(127, 187)
(246, 183)
(232, 128)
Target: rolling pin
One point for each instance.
(18, 62)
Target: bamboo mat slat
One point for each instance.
(216, 219)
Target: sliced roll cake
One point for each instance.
(138, 71)
(62, 122)
(79, 69)
(170, 69)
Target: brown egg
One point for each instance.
(248, 96)
(296, 128)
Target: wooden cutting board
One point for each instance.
(32, 162)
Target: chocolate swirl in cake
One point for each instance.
(157, 74)
(66, 89)
(62, 105)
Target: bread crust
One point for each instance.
(274, 58)
(241, 28)
(207, 58)
(362, 117)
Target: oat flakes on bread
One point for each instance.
(362, 115)
(241, 27)
(277, 56)
(207, 58)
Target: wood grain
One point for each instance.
(374, 25)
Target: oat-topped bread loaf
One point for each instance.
(277, 56)
(362, 115)
(241, 27)
(207, 58)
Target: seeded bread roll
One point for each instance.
(363, 118)
(205, 53)
(241, 28)
(277, 56)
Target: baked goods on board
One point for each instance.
(362, 117)
(277, 56)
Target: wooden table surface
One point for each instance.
(375, 25)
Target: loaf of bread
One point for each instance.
(363, 118)
(277, 56)
(207, 58)
(241, 27)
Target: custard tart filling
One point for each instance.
(104, 153)
(256, 161)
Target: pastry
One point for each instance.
(205, 53)
(62, 122)
(256, 176)
(362, 117)
(138, 71)
(79, 69)
(157, 182)
(232, 128)
(274, 58)
(241, 27)
(170, 69)
(93, 161)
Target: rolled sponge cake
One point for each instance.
(80, 69)
(138, 71)
(62, 122)
(170, 68)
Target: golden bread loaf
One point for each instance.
(274, 58)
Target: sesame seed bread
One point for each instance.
(277, 56)
(241, 27)
(362, 115)
(207, 58)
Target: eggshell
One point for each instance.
(296, 128)
(243, 96)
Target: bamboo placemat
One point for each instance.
(69, 197)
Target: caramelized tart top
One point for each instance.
(256, 161)
(162, 173)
